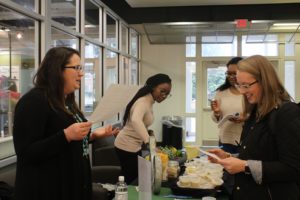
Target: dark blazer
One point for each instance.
(48, 167)
(276, 143)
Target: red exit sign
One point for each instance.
(241, 23)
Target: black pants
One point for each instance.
(129, 164)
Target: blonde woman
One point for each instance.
(268, 163)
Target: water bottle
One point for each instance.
(121, 192)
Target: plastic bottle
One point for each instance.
(121, 192)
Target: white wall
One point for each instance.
(168, 59)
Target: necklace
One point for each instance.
(85, 141)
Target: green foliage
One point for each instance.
(215, 78)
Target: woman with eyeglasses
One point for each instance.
(268, 163)
(228, 101)
(137, 117)
(51, 134)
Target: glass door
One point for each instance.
(213, 76)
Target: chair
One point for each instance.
(103, 152)
(104, 174)
(105, 166)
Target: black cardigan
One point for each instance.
(279, 151)
(48, 167)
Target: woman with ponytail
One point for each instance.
(138, 116)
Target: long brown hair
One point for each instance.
(49, 78)
(273, 93)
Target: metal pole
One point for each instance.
(10, 62)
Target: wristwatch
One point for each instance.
(247, 168)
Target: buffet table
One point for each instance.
(134, 195)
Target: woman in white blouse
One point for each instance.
(229, 100)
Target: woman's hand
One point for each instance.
(218, 152)
(215, 108)
(241, 118)
(111, 131)
(77, 131)
(236, 119)
(233, 165)
(104, 131)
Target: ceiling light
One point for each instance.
(4, 29)
(90, 26)
(184, 23)
(19, 35)
(286, 24)
(291, 28)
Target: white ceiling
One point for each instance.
(169, 3)
(173, 33)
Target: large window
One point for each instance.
(190, 87)
(92, 81)
(134, 72)
(190, 50)
(134, 42)
(111, 31)
(91, 25)
(110, 69)
(60, 38)
(289, 45)
(20, 53)
(28, 4)
(110, 75)
(124, 71)
(65, 12)
(215, 77)
(266, 45)
(18, 47)
(213, 46)
(190, 129)
(289, 77)
(124, 38)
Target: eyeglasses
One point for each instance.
(245, 86)
(165, 93)
(231, 74)
(77, 67)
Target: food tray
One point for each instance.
(196, 193)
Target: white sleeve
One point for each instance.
(256, 170)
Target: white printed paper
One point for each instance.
(210, 154)
(115, 100)
(145, 179)
(227, 117)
